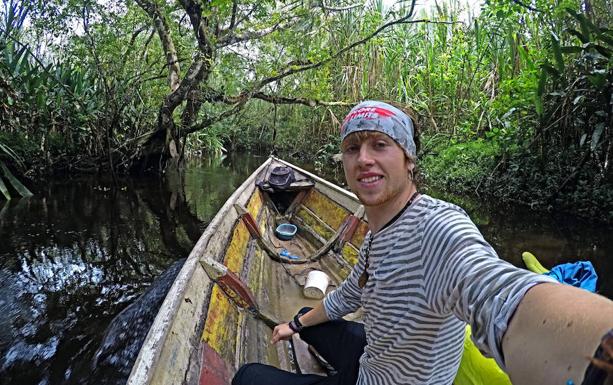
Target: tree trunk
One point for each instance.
(165, 146)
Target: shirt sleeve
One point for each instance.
(464, 276)
(347, 298)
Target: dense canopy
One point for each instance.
(513, 98)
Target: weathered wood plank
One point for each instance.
(316, 225)
(325, 209)
(350, 254)
(222, 320)
(221, 325)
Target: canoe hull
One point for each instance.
(200, 335)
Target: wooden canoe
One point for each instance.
(235, 284)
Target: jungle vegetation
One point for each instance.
(513, 101)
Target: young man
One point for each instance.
(424, 271)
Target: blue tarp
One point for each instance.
(579, 274)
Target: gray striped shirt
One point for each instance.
(431, 272)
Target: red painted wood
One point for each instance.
(352, 225)
(237, 290)
(251, 225)
(214, 371)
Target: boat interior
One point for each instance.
(275, 247)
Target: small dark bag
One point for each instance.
(281, 178)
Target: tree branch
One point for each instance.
(338, 9)
(275, 99)
(296, 69)
(240, 101)
(233, 18)
(526, 6)
(161, 26)
(231, 38)
(228, 38)
(212, 120)
(244, 17)
(216, 96)
(199, 25)
(128, 49)
(194, 75)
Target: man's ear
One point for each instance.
(410, 165)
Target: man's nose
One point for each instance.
(365, 156)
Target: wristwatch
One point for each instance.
(295, 324)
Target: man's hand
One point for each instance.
(281, 332)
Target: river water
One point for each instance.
(80, 252)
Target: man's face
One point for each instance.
(376, 168)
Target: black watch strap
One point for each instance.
(294, 327)
(295, 324)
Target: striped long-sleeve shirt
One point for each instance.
(431, 272)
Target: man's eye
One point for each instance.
(351, 149)
(380, 144)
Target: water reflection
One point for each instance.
(79, 252)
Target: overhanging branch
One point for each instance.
(240, 101)
(338, 9)
(297, 69)
(161, 26)
(232, 38)
(212, 120)
(229, 37)
(526, 6)
(275, 99)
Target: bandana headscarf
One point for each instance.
(373, 115)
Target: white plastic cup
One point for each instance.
(316, 284)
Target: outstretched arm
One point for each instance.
(553, 333)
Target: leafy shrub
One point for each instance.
(460, 167)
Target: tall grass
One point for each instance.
(461, 75)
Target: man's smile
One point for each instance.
(369, 178)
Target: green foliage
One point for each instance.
(326, 153)
(460, 167)
(514, 103)
(535, 178)
(580, 92)
(208, 142)
(7, 152)
(81, 99)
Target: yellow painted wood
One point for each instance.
(221, 325)
(235, 253)
(259, 256)
(360, 233)
(325, 208)
(332, 214)
(237, 249)
(314, 223)
(255, 203)
(222, 321)
(350, 254)
(254, 277)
